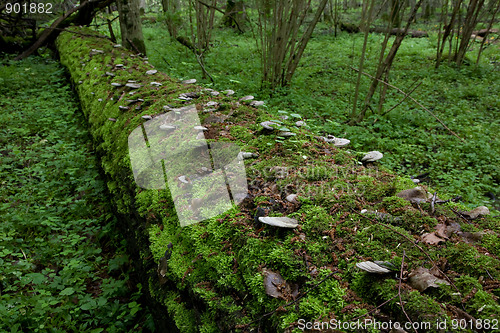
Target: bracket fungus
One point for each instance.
(282, 222)
(372, 156)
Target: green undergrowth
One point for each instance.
(465, 99)
(62, 267)
(210, 276)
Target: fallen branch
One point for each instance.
(352, 28)
(48, 31)
(414, 100)
(399, 291)
(404, 98)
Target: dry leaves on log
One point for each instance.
(277, 287)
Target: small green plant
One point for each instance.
(55, 217)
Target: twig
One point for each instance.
(133, 46)
(200, 62)
(460, 215)
(433, 202)
(413, 99)
(399, 291)
(374, 309)
(401, 101)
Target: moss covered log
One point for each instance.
(217, 275)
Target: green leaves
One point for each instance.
(54, 272)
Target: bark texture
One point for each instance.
(131, 26)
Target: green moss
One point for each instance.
(315, 219)
(241, 133)
(394, 204)
(215, 269)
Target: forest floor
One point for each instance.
(62, 267)
(412, 141)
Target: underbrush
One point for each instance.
(412, 140)
(62, 267)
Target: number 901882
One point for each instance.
(28, 8)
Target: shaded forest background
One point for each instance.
(417, 80)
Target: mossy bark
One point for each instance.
(213, 272)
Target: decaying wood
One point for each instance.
(82, 18)
(49, 31)
(393, 32)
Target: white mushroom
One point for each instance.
(282, 222)
(268, 125)
(166, 127)
(257, 103)
(133, 85)
(247, 98)
(372, 156)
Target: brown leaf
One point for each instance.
(471, 237)
(431, 238)
(277, 287)
(414, 195)
(421, 279)
(476, 212)
(441, 230)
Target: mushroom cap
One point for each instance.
(283, 222)
(268, 125)
(372, 156)
(340, 142)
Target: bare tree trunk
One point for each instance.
(385, 66)
(485, 38)
(171, 10)
(467, 28)
(131, 26)
(366, 19)
(448, 30)
(281, 45)
(235, 15)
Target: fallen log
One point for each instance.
(232, 272)
(352, 28)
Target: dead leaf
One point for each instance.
(441, 230)
(471, 237)
(421, 279)
(431, 238)
(476, 212)
(277, 287)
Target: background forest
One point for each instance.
(437, 116)
(418, 80)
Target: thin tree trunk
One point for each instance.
(467, 28)
(365, 23)
(485, 38)
(385, 66)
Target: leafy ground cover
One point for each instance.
(413, 142)
(211, 276)
(62, 268)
